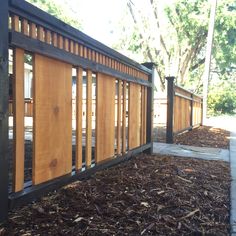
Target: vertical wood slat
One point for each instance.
(85, 52)
(88, 152)
(48, 36)
(124, 119)
(18, 130)
(93, 55)
(25, 29)
(54, 39)
(119, 117)
(142, 114)
(79, 97)
(15, 23)
(72, 46)
(76, 49)
(40, 33)
(105, 117)
(52, 152)
(134, 115)
(81, 51)
(66, 44)
(60, 42)
(32, 31)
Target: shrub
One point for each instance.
(222, 100)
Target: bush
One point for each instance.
(222, 101)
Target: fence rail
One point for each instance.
(91, 107)
(184, 110)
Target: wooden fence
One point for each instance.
(184, 110)
(110, 89)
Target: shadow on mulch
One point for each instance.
(205, 136)
(149, 195)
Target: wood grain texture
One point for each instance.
(32, 31)
(52, 119)
(66, 44)
(143, 115)
(40, 33)
(79, 97)
(54, 39)
(134, 115)
(18, 119)
(60, 42)
(88, 149)
(48, 36)
(25, 29)
(105, 122)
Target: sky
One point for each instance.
(98, 17)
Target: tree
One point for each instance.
(59, 11)
(174, 36)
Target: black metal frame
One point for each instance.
(4, 83)
(34, 192)
(170, 109)
(150, 95)
(33, 45)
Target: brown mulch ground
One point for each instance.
(156, 195)
(205, 136)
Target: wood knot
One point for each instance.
(53, 163)
(56, 110)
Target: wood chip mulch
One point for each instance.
(148, 195)
(205, 136)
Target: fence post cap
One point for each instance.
(170, 78)
(149, 65)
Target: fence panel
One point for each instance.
(184, 110)
(110, 94)
(52, 119)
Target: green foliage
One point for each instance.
(182, 26)
(222, 99)
(224, 50)
(53, 8)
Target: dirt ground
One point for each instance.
(205, 136)
(149, 195)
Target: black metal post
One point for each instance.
(149, 133)
(4, 93)
(170, 109)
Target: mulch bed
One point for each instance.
(205, 136)
(149, 195)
